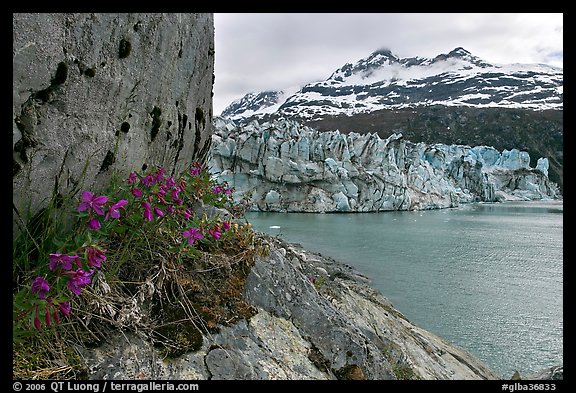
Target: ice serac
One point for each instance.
(97, 93)
(289, 167)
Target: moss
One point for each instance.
(61, 74)
(124, 49)
(400, 368)
(178, 334)
(350, 372)
(319, 282)
(403, 371)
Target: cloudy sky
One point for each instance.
(261, 51)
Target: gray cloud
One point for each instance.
(257, 52)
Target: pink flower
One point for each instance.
(132, 178)
(113, 210)
(159, 175)
(195, 169)
(64, 308)
(186, 213)
(225, 225)
(193, 234)
(95, 257)
(216, 234)
(37, 320)
(48, 320)
(147, 211)
(40, 287)
(94, 224)
(174, 194)
(148, 180)
(170, 183)
(60, 260)
(78, 280)
(91, 202)
(136, 192)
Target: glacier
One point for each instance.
(283, 166)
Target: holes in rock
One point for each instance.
(124, 49)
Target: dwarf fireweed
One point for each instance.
(151, 202)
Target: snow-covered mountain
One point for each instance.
(385, 81)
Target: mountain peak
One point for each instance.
(384, 81)
(462, 54)
(459, 52)
(385, 52)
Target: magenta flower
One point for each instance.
(64, 307)
(95, 257)
(170, 209)
(215, 233)
(228, 191)
(132, 178)
(94, 224)
(225, 225)
(40, 287)
(216, 190)
(175, 193)
(63, 261)
(136, 192)
(113, 210)
(56, 317)
(148, 180)
(159, 175)
(186, 213)
(78, 280)
(193, 234)
(47, 315)
(195, 169)
(91, 202)
(170, 183)
(147, 211)
(158, 212)
(60, 260)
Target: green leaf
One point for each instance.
(119, 229)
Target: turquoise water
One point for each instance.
(486, 277)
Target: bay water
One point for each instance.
(487, 277)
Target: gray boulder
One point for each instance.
(97, 92)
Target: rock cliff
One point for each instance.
(316, 319)
(295, 168)
(96, 91)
